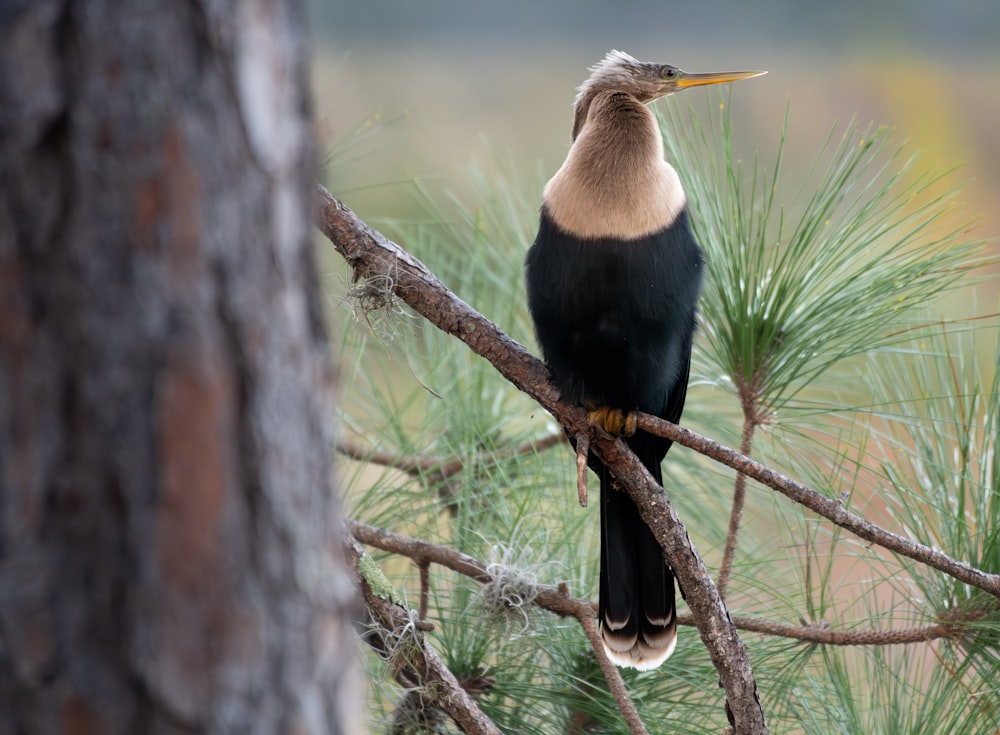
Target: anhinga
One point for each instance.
(613, 280)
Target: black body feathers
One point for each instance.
(613, 281)
(615, 319)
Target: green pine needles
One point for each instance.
(867, 241)
(815, 330)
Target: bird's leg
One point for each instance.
(614, 421)
(582, 451)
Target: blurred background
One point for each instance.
(422, 89)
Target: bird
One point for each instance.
(612, 280)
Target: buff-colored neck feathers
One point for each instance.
(614, 182)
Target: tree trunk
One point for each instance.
(169, 541)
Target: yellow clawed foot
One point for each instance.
(613, 420)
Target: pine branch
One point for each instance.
(832, 510)
(614, 678)
(815, 501)
(414, 663)
(438, 468)
(557, 600)
(736, 513)
(440, 472)
(372, 257)
(553, 599)
(828, 636)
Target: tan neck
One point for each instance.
(614, 182)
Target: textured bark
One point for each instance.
(169, 551)
(399, 638)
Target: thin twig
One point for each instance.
(412, 466)
(829, 508)
(548, 597)
(614, 678)
(828, 636)
(440, 473)
(557, 600)
(736, 513)
(442, 468)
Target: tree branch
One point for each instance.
(554, 599)
(834, 637)
(736, 514)
(414, 663)
(557, 600)
(372, 256)
(831, 509)
(826, 507)
(438, 468)
(613, 676)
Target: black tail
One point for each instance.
(637, 609)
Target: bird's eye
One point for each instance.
(669, 72)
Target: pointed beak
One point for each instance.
(720, 77)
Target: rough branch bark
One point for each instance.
(371, 256)
(415, 663)
(557, 600)
(169, 546)
(829, 508)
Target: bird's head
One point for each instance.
(646, 81)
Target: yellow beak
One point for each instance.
(719, 77)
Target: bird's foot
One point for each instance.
(613, 420)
